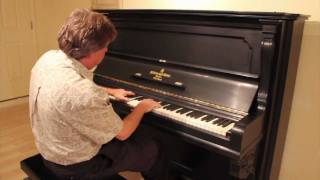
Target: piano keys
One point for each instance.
(224, 81)
(193, 118)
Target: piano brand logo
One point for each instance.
(159, 75)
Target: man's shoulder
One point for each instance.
(46, 59)
(53, 71)
(52, 62)
(51, 52)
(52, 56)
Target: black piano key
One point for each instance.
(226, 123)
(183, 110)
(217, 121)
(163, 103)
(208, 118)
(171, 107)
(166, 106)
(199, 114)
(189, 112)
(175, 108)
(136, 95)
(222, 122)
(196, 114)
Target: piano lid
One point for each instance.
(198, 58)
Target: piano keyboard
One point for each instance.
(193, 118)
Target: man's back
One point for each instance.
(70, 115)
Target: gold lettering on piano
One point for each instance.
(158, 76)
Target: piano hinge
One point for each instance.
(267, 43)
(237, 113)
(162, 60)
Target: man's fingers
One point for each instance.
(157, 106)
(129, 93)
(123, 98)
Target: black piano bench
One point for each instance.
(35, 169)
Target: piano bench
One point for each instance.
(33, 166)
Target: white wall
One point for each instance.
(301, 158)
(50, 15)
(310, 7)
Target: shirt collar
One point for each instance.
(80, 68)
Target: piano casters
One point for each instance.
(245, 167)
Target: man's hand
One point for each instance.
(148, 105)
(119, 94)
(132, 120)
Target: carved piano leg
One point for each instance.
(244, 168)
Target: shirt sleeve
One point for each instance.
(91, 114)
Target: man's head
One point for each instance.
(85, 32)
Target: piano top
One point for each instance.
(209, 13)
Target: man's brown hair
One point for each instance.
(85, 32)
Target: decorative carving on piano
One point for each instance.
(244, 167)
(267, 49)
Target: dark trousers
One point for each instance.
(138, 153)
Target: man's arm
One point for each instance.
(131, 122)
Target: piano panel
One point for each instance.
(188, 45)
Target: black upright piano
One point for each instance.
(224, 79)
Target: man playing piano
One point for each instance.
(75, 127)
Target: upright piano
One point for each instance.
(224, 81)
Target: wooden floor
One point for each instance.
(16, 142)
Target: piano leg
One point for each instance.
(244, 168)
